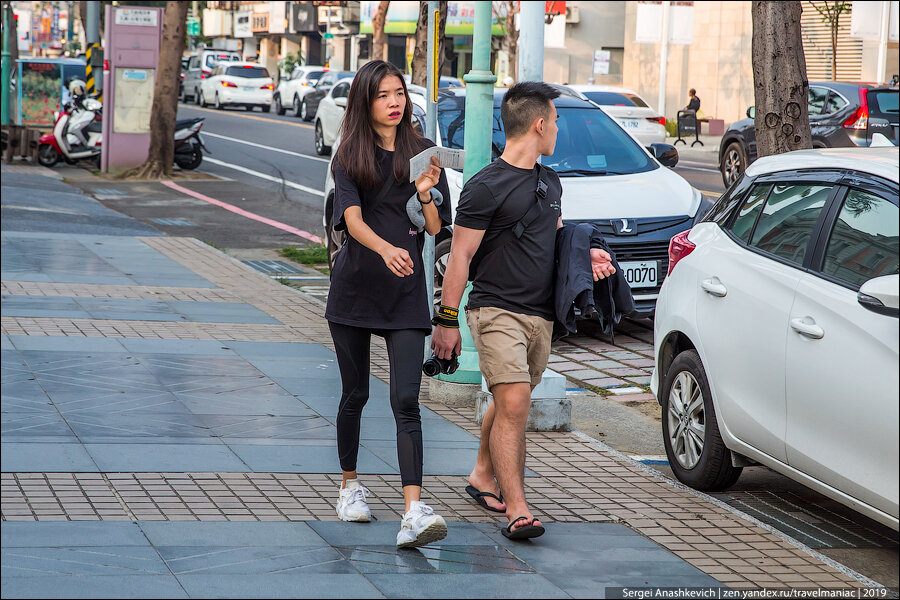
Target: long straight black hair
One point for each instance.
(356, 153)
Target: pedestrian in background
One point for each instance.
(510, 309)
(378, 282)
(693, 101)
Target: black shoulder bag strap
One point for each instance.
(504, 236)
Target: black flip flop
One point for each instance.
(522, 533)
(479, 498)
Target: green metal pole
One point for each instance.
(5, 72)
(479, 125)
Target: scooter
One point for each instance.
(188, 143)
(76, 134)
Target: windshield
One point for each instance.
(247, 72)
(212, 59)
(886, 102)
(589, 142)
(615, 99)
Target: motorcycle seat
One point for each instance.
(185, 123)
(94, 127)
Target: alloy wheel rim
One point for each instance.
(732, 165)
(687, 420)
(320, 143)
(303, 110)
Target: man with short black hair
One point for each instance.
(505, 231)
(693, 101)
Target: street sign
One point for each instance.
(193, 26)
(328, 36)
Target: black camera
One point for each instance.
(434, 365)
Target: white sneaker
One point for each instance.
(351, 504)
(420, 526)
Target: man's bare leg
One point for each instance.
(482, 476)
(507, 446)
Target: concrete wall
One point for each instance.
(602, 26)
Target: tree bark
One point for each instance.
(506, 16)
(161, 156)
(379, 39)
(779, 78)
(420, 54)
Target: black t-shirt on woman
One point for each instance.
(364, 292)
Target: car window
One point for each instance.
(749, 212)
(341, 90)
(614, 99)
(247, 72)
(884, 102)
(195, 62)
(834, 103)
(816, 100)
(786, 223)
(865, 242)
(326, 79)
(313, 76)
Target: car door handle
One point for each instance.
(807, 326)
(714, 287)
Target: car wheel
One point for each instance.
(218, 104)
(734, 163)
(279, 109)
(304, 111)
(334, 241)
(266, 108)
(321, 148)
(198, 97)
(697, 454)
(441, 255)
(296, 106)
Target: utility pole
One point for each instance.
(431, 84)
(884, 29)
(663, 58)
(531, 41)
(7, 60)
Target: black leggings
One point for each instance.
(405, 351)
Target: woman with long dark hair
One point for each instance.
(378, 281)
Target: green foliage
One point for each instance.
(317, 255)
(286, 65)
(671, 128)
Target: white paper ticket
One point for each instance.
(448, 158)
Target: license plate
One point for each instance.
(631, 123)
(640, 274)
(248, 89)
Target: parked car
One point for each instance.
(331, 114)
(290, 90)
(309, 103)
(776, 333)
(444, 81)
(840, 115)
(200, 66)
(632, 112)
(238, 84)
(184, 65)
(608, 179)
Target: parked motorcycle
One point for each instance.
(188, 143)
(76, 134)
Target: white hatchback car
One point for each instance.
(244, 84)
(631, 111)
(776, 333)
(608, 179)
(290, 90)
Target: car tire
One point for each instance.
(441, 255)
(304, 111)
(198, 97)
(279, 109)
(321, 148)
(218, 104)
(266, 108)
(734, 163)
(334, 240)
(697, 455)
(296, 106)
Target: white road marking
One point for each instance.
(255, 145)
(296, 186)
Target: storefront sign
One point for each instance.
(137, 16)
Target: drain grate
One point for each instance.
(817, 525)
(109, 192)
(274, 267)
(175, 222)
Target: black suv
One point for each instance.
(840, 115)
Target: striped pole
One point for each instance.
(94, 62)
(89, 70)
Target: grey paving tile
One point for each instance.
(70, 344)
(445, 558)
(252, 350)
(254, 560)
(167, 458)
(220, 312)
(583, 374)
(70, 534)
(383, 534)
(32, 457)
(436, 461)
(106, 586)
(231, 534)
(204, 347)
(33, 424)
(305, 459)
(6, 343)
(385, 428)
(440, 585)
(82, 561)
(299, 585)
(24, 396)
(581, 586)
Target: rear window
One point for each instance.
(212, 59)
(884, 102)
(314, 75)
(615, 99)
(247, 72)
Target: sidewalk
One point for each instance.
(168, 431)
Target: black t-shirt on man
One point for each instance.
(518, 275)
(364, 292)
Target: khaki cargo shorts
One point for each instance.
(512, 347)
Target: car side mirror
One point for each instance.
(881, 295)
(666, 154)
(342, 102)
(751, 112)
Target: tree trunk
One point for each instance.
(834, 40)
(82, 16)
(420, 54)
(779, 78)
(165, 96)
(512, 42)
(379, 39)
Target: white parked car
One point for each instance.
(330, 115)
(632, 112)
(608, 179)
(776, 333)
(244, 84)
(290, 90)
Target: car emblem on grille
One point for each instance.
(624, 226)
